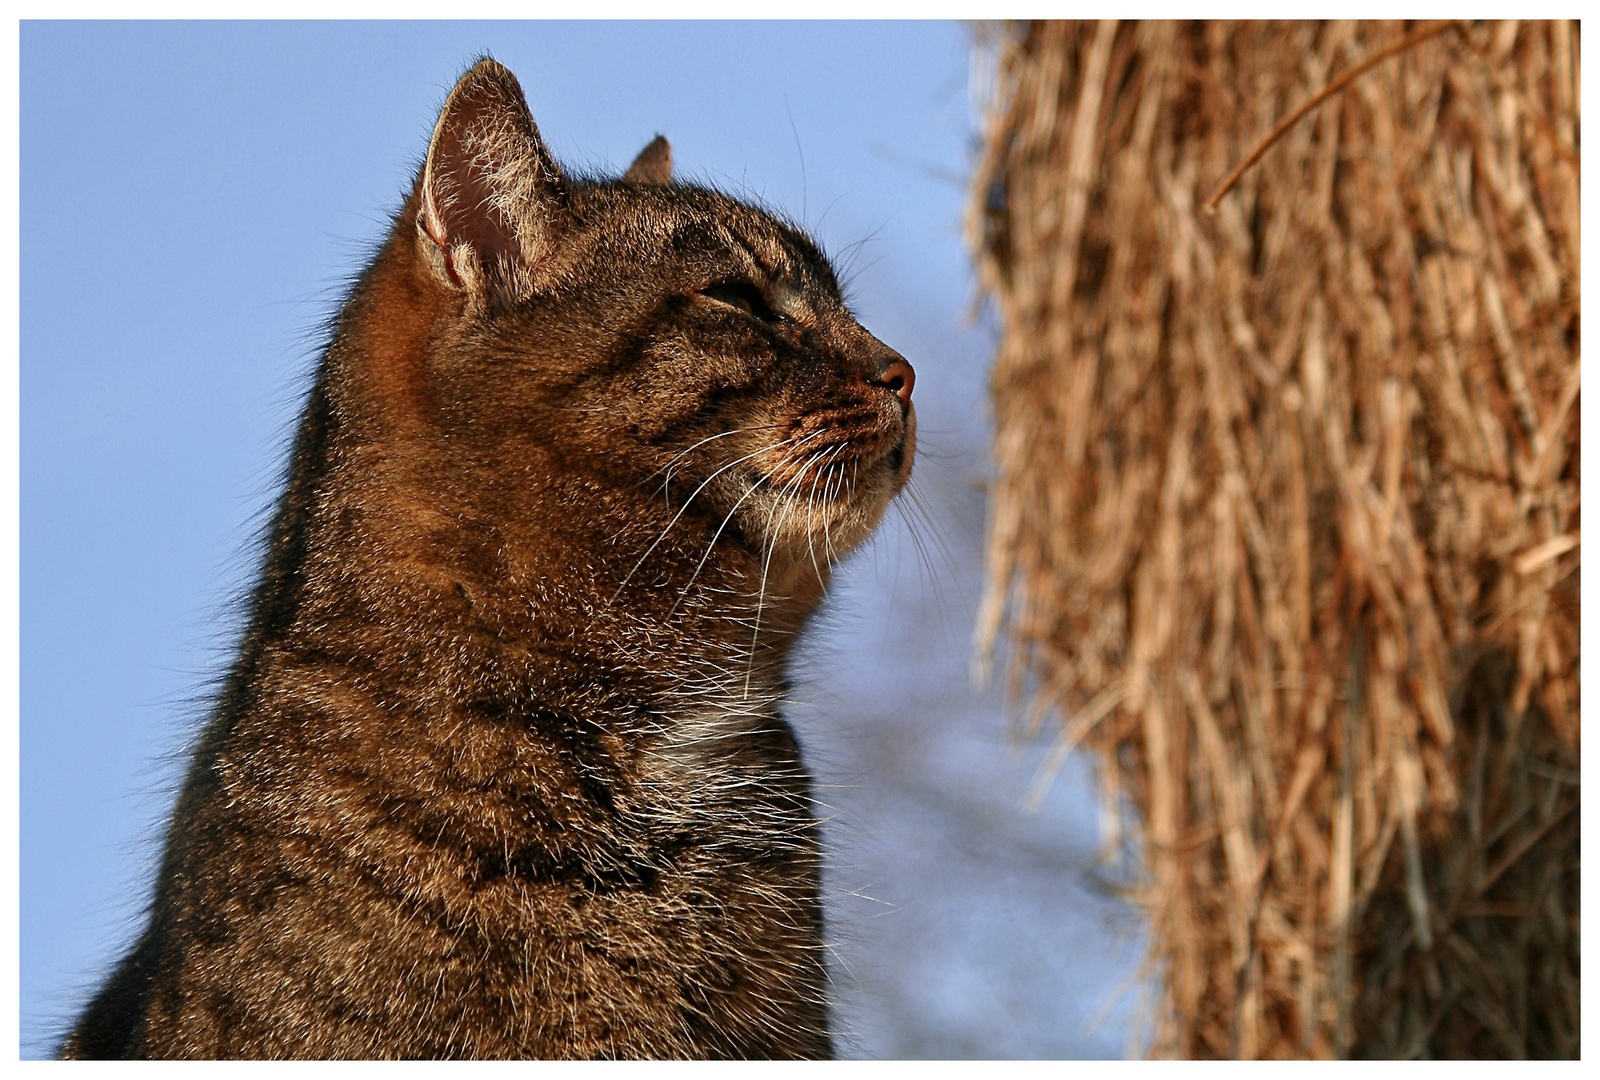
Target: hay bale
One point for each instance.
(1285, 525)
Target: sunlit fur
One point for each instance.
(500, 769)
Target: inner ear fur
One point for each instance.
(653, 165)
(492, 195)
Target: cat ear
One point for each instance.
(492, 197)
(653, 165)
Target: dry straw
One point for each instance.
(1285, 526)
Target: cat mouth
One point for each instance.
(825, 486)
(832, 455)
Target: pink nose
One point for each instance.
(899, 377)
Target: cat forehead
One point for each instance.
(701, 222)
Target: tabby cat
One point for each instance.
(500, 769)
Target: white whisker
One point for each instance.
(685, 507)
(729, 517)
(681, 454)
(766, 562)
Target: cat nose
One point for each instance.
(897, 375)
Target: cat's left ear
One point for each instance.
(653, 165)
(493, 200)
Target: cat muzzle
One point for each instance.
(897, 376)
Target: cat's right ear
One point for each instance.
(492, 197)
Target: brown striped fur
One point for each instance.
(500, 769)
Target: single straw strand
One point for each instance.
(1400, 45)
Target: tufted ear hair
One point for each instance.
(653, 165)
(493, 200)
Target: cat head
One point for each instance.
(659, 334)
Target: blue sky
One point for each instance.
(194, 199)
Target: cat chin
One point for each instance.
(821, 530)
(839, 514)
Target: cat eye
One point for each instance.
(744, 296)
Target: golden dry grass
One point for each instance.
(1285, 526)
